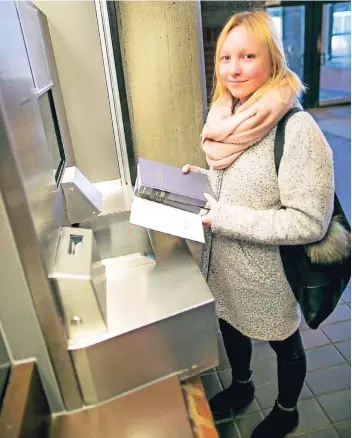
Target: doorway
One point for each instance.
(317, 41)
(335, 66)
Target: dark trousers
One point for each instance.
(291, 361)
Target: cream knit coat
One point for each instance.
(240, 258)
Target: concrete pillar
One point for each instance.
(160, 45)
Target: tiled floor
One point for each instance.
(325, 404)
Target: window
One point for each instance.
(277, 17)
(289, 22)
(339, 41)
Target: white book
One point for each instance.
(159, 217)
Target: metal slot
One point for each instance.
(75, 246)
(79, 279)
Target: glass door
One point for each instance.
(316, 37)
(335, 64)
(290, 24)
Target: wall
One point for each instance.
(75, 39)
(161, 60)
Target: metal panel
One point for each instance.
(83, 200)
(113, 90)
(57, 93)
(149, 304)
(184, 344)
(74, 33)
(80, 283)
(17, 313)
(161, 315)
(34, 205)
(32, 33)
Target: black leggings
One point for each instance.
(291, 361)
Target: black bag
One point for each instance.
(317, 287)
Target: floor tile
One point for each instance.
(337, 405)
(329, 379)
(346, 296)
(211, 385)
(264, 371)
(345, 349)
(326, 432)
(227, 430)
(334, 126)
(341, 313)
(338, 332)
(311, 415)
(314, 338)
(344, 428)
(248, 423)
(252, 407)
(262, 350)
(225, 377)
(304, 326)
(323, 357)
(267, 394)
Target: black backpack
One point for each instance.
(317, 286)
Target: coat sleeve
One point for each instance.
(306, 186)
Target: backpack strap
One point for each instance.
(280, 136)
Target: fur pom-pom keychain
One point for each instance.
(335, 247)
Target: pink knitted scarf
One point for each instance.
(222, 140)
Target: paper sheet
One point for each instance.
(159, 217)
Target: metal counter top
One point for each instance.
(150, 275)
(141, 291)
(160, 312)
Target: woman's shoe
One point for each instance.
(236, 397)
(277, 424)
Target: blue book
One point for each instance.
(168, 185)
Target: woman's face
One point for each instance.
(244, 63)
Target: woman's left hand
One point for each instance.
(207, 220)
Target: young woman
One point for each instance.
(256, 211)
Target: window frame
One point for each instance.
(330, 59)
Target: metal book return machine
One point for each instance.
(118, 306)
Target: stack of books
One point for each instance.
(167, 185)
(167, 200)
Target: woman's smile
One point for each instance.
(237, 82)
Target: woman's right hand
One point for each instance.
(188, 167)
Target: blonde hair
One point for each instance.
(260, 24)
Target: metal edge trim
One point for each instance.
(112, 89)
